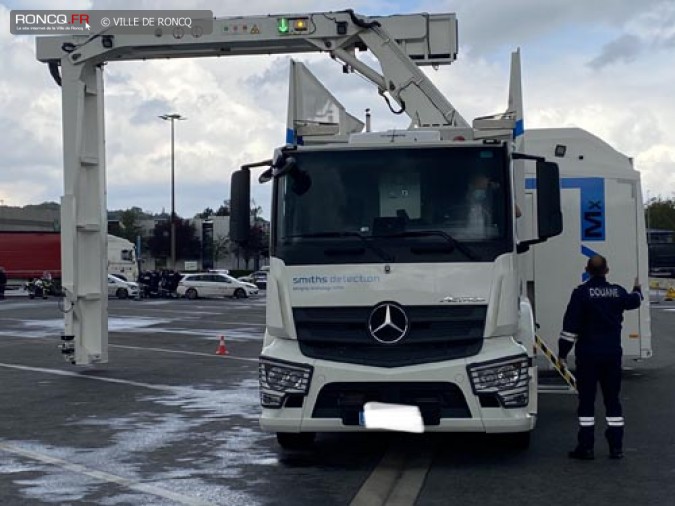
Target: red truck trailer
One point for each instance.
(27, 255)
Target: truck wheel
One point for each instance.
(296, 441)
(122, 293)
(239, 293)
(191, 294)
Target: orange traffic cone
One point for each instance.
(222, 350)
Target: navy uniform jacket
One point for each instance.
(594, 316)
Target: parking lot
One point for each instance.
(169, 422)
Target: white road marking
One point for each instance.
(61, 372)
(151, 386)
(192, 328)
(146, 309)
(238, 331)
(396, 481)
(104, 476)
(196, 353)
(409, 484)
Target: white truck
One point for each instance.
(395, 277)
(122, 258)
(400, 271)
(384, 288)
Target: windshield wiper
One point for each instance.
(426, 233)
(379, 252)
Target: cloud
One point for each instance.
(236, 106)
(486, 27)
(660, 179)
(150, 110)
(650, 30)
(626, 49)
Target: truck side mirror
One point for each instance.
(549, 214)
(240, 206)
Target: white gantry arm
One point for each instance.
(400, 43)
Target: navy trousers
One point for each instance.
(606, 371)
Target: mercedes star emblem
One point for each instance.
(388, 323)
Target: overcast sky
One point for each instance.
(607, 66)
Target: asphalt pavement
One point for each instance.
(169, 422)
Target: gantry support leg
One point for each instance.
(84, 259)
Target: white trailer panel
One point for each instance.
(602, 213)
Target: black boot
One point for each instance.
(614, 437)
(615, 453)
(586, 440)
(581, 454)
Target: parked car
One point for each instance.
(662, 260)
(121, 289)
(258, 278)
(214, 285)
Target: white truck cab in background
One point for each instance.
(122, 258)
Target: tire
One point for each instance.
(240, 293)
(122, 293)
(191, 293)
(296, 441)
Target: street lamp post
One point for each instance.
(172, 118)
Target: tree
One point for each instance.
(116, 214)
(221, 247)
(129, 221)
(256, 211)
(224, 209)
(54, 206)
(206, 213)
(187, 242)
(660, 213)
(256, 247)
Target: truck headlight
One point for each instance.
(278, 379)
(507, 378)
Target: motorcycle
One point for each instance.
(36, 288)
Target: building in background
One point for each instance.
(216, 251)
(42, 218)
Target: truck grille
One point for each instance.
(436, 333)
(436, 400)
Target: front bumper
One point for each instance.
(477, 417)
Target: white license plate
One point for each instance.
(386, 416)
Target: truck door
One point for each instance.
(621, 250)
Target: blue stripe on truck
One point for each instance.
(592, 200)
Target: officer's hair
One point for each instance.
(597, 265)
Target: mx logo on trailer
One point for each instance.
(591, 208)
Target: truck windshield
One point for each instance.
(424, 204)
